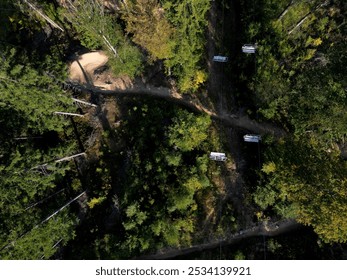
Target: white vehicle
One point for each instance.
(219, 58)
(252, 138)
(249, 48)
(218, 156)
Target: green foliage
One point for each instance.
(296, 82)
(174, 159)
(269, 168)
(188, 131)
(295, 13)
(273, 245)
(95, 201)
(5, 17)
(129, 62)
(16, 26)
(98, 29)
(265, 196)
(27, 179)
(190, 21)
(40, 241)
(32, 139)
(162, 176)
(32, 93)
(174, 32)
(321, 100)
(146, 20)
(183, 197)
(310, 180)
(166, 177)
(239, 256)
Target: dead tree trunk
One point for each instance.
(72, 5)
(108, 44)
(84, 102)
(27, 137)
(59, 160)
(307, 15)
(125, 4)
(42, 222)
(70, 157)
(285, 10)
(299, 23)
(50, 21)
(8, 79)
(93, 7)
(60, 209)
(42, 200)
(69, 114)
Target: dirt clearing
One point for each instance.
(84, 71)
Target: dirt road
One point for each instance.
(264, 229)
(83, 76)
(238, 121)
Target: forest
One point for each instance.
(109, 111)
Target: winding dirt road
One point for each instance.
(82, 76)
(238, 121)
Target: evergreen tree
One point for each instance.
(307, 181)
(146, 20)
(32, 93)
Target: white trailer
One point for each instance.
(252, 138)
(249, 48)
(219, 58)
(218, 156)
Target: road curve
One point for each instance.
(239, 121)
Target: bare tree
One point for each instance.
(307, 16)
(41, 14)
(58, 160)
(69, 114)
(84, 102)
(70, 157)
(285, 10)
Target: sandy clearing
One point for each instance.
(82, 70)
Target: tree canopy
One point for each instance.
(306, 181)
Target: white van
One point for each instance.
(218, 156)
(249, 48)
(252, 138)
(219, 58)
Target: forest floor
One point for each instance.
(89, 70)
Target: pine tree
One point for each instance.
(146, 20)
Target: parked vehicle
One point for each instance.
(218, 156)
(219, 58)
(249, 48)
(252, 138)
